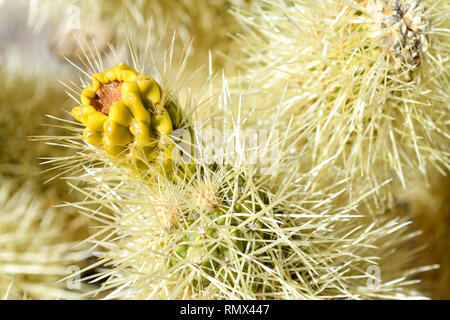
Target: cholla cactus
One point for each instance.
(366, 80)
(37, 246)
(224, 229)
(227, 234)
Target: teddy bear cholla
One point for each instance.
(401, 25)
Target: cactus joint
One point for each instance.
(403, 24)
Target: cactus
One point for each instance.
(229, 233)
(223, 230)
(359, 89)
(366, 79)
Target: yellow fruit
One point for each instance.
(96, 120)
(142, 133)
(117, 134)
(86, 111)
(77, 112)
(120, 114)
(92, 137)
(134, 104)
(123, 114)
(150, 92)
(162, 123)
(112, 149)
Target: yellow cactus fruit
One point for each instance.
(134, 103)
(123, 114)
(111, 147)
(77, 112)
(100, 77)
(141, 130)
(127, 75)
(162, 123)
(150, 90)
(86, 111)
(116, 133)
(92, 137)
(96, 120)
(119, 113)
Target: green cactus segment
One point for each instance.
(222, 244)
(124, 114)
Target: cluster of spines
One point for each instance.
(365, 79)
(246, 239)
